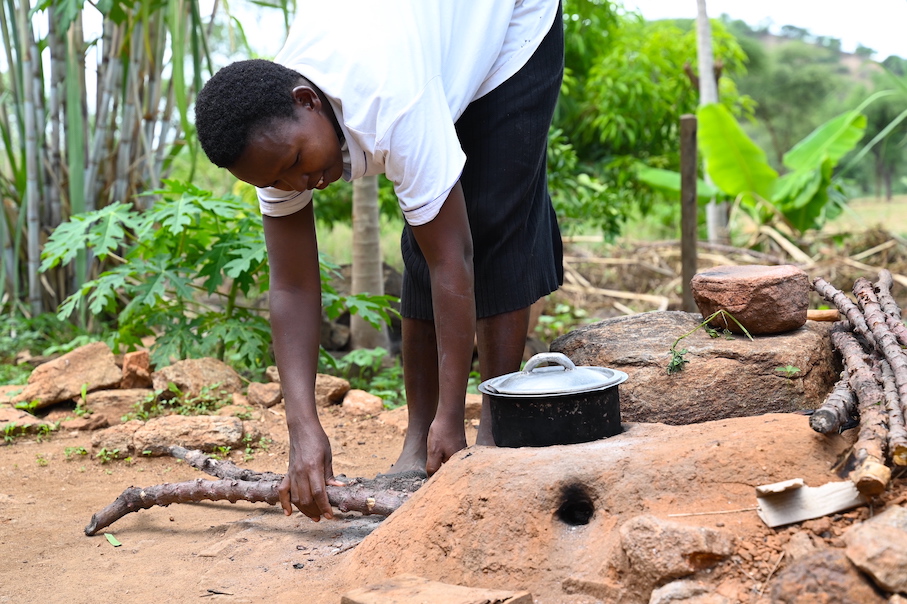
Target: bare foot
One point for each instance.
(411, 459)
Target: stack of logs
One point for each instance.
(873, 386)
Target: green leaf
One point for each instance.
(667, 182)
(833, 140)
(737, 166)
(112, 540)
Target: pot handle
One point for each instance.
(549, 357)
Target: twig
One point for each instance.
(837, 409)
(770, 575)
(846, 306)
(713, 513)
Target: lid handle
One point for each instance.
(549, 357)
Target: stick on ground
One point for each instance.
(379, 497)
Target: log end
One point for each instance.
(871, 477)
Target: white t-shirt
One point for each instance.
(398, 74)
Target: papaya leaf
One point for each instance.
(736, 165)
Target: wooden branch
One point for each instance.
(845, 306)
(380, 496)
(838, 408)
(870, 475)
(897, 433)
(886, 343)
(883, 291)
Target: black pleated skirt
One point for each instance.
(518, 253)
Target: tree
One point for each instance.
(368, 267)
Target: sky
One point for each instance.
(878, 24)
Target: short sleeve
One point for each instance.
(424, 158)
(276, 203)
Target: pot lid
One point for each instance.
(563, 378)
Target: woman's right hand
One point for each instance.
(309, 472)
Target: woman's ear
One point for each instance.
(307, 97)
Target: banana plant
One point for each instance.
(805, 197)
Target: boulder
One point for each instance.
(14, 422)
(116, 441)
(92, 366)
(763, 299)
(112, 405)
(192, 376)
(722, 378)
(202, 432)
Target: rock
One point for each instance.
(15, 421)
(91, 366)
(272, 374)
(878, 547)
(723, 378)
(329, 390)
(192, 376)
(801, 544)
(764, 299)
(116, 440)
(7, 393)
(410, 589)
(661, 550)
(112, 405)
(687, 592)
(136, 370)
(826, 576)
(473, 406)
(85, 423)
(362, 403)
(202, 432)
(264, 395)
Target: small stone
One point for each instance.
(362, 403)
(330, 390)
(264, 395)
(91, 367)
(824, 576)
(136, 370)
(764, 299)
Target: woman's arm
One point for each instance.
(295, 307)
(446, 243)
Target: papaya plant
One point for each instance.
(189, 271)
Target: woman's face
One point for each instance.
(294, 154)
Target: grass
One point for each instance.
(868, 212)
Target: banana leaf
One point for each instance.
(667, 182)
(736, 165)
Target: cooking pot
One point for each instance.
(560, 404)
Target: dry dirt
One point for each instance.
(250, 552)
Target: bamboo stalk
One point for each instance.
(33, 249)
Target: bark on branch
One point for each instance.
(845, 306)
(870, 475)
(380, 496)
(839, 407)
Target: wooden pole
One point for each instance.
(688, 207)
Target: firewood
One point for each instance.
(846, 306)
(837, 409)
(870, 474)
(380, 496)
(883, 291)
(897, 433)
(886, 343)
